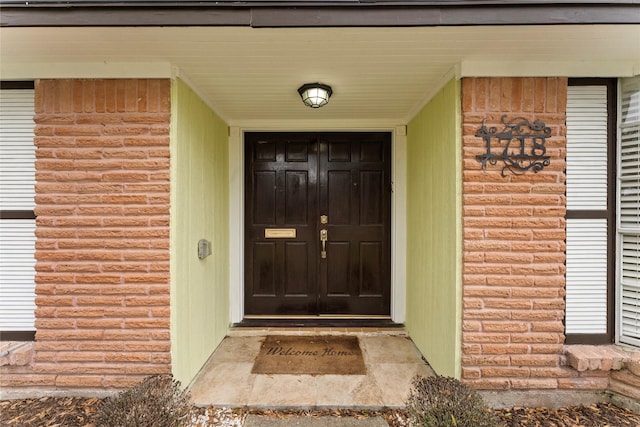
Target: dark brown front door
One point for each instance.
(306, 188)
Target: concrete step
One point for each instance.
(309, 421)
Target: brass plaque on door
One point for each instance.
(279, 233)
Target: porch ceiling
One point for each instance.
(251, 75)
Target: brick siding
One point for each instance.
(102, 250)
(514, 243)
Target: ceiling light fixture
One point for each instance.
(315, 95)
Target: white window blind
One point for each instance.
(629, 213)
(587, 147)
(17, 293)
(17, 189)
(586, 183)
(586, 294)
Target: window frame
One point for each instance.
(620, 231)
(610, 214)
(12, 214)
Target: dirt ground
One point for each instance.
(72, 412)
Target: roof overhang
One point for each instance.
(379, 75)
(384, 59)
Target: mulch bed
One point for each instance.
(74, 411)
(598, 415)
(48, 411)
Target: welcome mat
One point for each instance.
(311, 355)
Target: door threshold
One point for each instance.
(318, 321)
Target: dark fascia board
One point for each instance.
(186, 3)
(389, 16)
(340, 13)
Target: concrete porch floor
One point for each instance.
(390, 357)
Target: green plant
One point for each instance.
(446, 402)
(157, 401)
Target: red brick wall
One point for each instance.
(514, 233)
(102, 206)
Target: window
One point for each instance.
(17, 219)
(629, 213)
(590, 168)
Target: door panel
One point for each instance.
(264, 256)
(293, 180)
(265, 197)
(338, 268)
(339, 185)
(296, 268)
(358, 205)
(296, 195)
(370, 271)
(371, 197)
(281, 274)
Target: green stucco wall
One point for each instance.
(199, 210)
(434, 230)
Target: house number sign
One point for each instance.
(520, 145)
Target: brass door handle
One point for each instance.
(324, 235)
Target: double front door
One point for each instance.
(317, 223)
